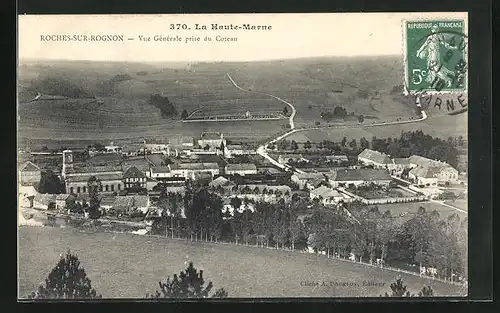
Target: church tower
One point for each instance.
(67, 162)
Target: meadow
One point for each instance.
(126, 265)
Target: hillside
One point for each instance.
(121, 90)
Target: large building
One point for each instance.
(76, 177)
(29, 173)
(440, 170)
(364, 176)
(213, 140)
(375, 159)
(134, 178)
(241, 169)
(308, 180)
(189, 170)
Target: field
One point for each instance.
(407, 210)
(121, 111)
(125, 265)
(441, 126)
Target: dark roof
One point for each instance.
(194, 166)
(101, 177)
(160, 169)
(401, 161)
(134, 172)
(241, 167)
(210, 136)
(362, 174)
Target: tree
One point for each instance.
(363, 143)
(344, 141)
(184, 114)
(296, 231)
(294, 145)
(206, 148)
(361, 118)
(353, 144)
(93, 186)
(50, 183)
(426, 292)
(285, 111)
(235, 202)
(189, 284)
(340, 112)
(67, 280)
(398, 289)
(308, 145)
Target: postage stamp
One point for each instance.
(435, 56)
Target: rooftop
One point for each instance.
(362, 174)
(211, 136)
(325, 192)
(425, 172)
(130, 202)
(401, 161)
(161, 169)
(29, 167)
(194, 166)
(375, 156)
(134, 172)
(425, 162)
(101, 177)
(241, 167)
(220, 181)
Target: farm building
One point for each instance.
(134, 178)
(159, 172)
(285, 158)
(213, 140)
(187, 170)
(29, 174)
(307, 180)
(112, 148)
(241, 169)
(154, 146)
(399, 164)
(131, 203)
(326, 195)
(336, 159)
(222, 183)
(232, 150)
(374, 158)
(424, 176)
(359, 177)
(443, 171)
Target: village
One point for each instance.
(132, 177)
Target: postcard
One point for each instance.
(242, 156)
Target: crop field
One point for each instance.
(407, 210)
(125, 265)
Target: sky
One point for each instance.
(291, 36)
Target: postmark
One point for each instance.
(435, 56)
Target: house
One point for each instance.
(307, 180)
(213, 140)
(158, 172)
(131, 203)
(133, 150)
(202, 177)
(362, 176)
(155, 146)
(111, 148)
(241, 169)
(374, 158)
(336, 159)
(62, 199)
(424, 176)
(327, 196)
(151, 183)
(222, 183)
(77, 177)
(285, 158)
(44, 201)
(134, 178)
(399, 165)
(444, 171)
(188, 169)
(232, 150)
(29, 174)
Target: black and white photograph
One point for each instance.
(178, 156)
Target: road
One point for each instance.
(262, 150)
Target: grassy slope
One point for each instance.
(124, 265)
(124, 112)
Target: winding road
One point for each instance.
(262, 150)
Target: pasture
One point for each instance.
(126, 265)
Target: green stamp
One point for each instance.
(435, 56)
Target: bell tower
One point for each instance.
(67, 162)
